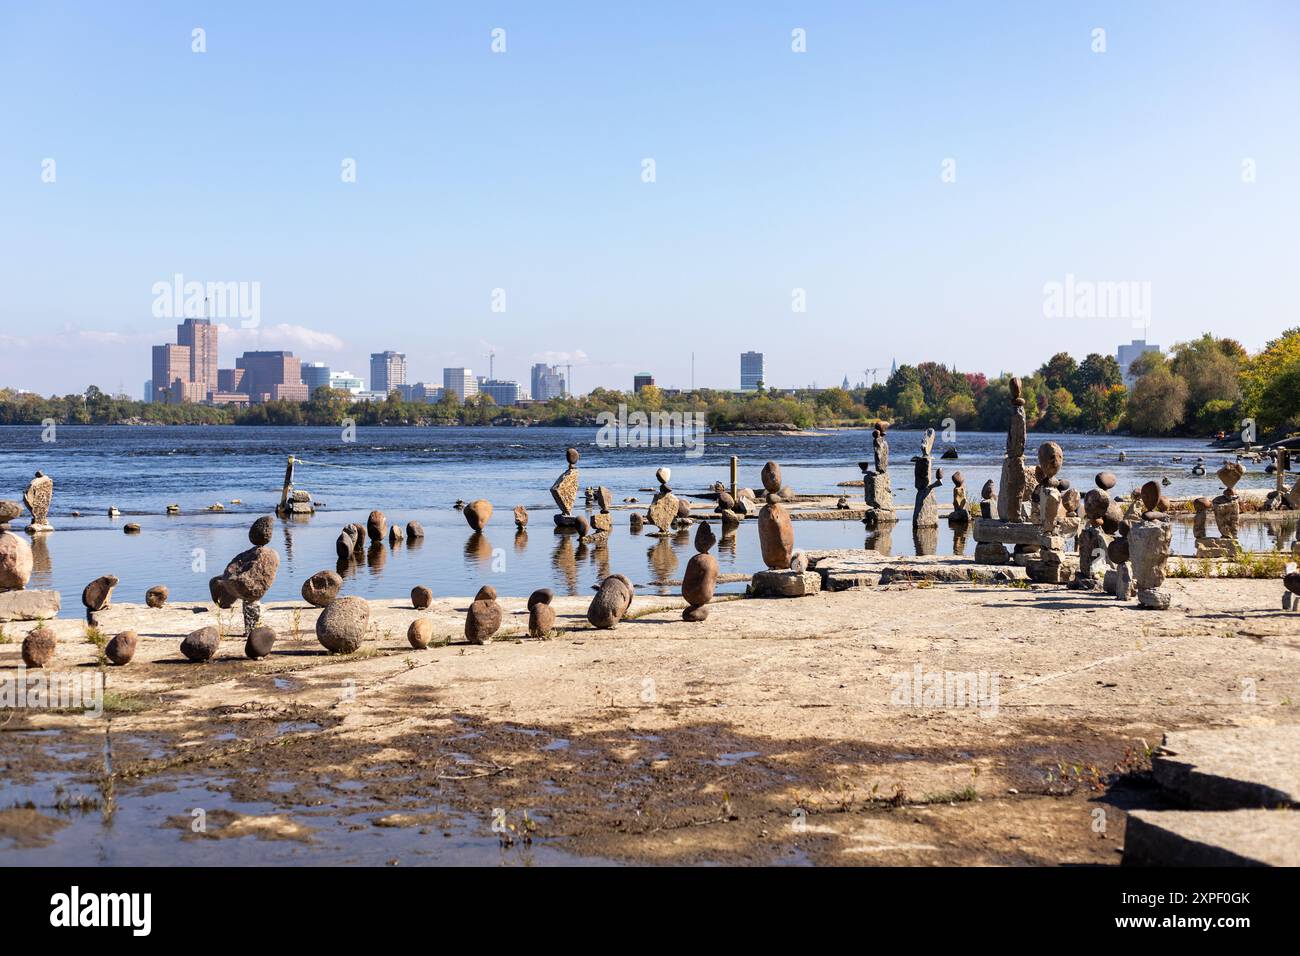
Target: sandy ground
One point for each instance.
(777, 731)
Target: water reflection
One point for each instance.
(925, 539)
(663, 559)
(478, 549)
(562, 560)
(881, 540)
(959, 539)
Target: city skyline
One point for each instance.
(906, 187)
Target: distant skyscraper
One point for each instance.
(1128, 354)
(315, 375)
(641, 379)
(148, 390)
(547, 383)
(200, 337)
(171, 371)
(501, 392)
(270, 376)
(387, 371)
(751, 370)
(460, 381)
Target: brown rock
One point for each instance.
(201, 645)
(96, 595)
(1151, 495)
(9, 510)
(705, 539)
(121, 649)
(345, 543)
(521, 517)
(484, 617)
(15, 562)
(131, 528)
(700, 579)
(1050, 458)
(261, 531)
(663, 510)
(775, 536)
(571, 455)
(260, 641)
(421, 597)
(342, 626)
(156, 596)
(695, 613)
(396, 534)
(223, 593)
(771, 477)
(541, 621)
(1105, 480)
(39, 646)
(610, 602)
(414, 529)
(477, 513)
(420, 634)
(251, 573)
(321, 588)
(565, 490)
(37, 497)
(540, 596)
(376, 526)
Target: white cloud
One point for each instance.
(297, 338)
(576, 357)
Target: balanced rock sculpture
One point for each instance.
(541, 616)
(484, 616)
(701, 576)
(565, 493)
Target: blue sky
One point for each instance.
(522, 171)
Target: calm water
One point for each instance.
(418, 473)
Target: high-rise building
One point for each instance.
(501, 392)
(148, 390)
(387, 371)
(200, 336)
(270, 376)
(547, 383)
(1128, 354)
(641, 380)
(315, 375)
(171, 370)
(751, 371)
(460, 381)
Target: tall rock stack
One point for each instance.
(1227, 509)
(701, 576)
(925, 513)
(1149, 544)
(1094, 544)
(1011, 491)
(960, 514)
(565, 493)
(38, 497)
(665, 506)
(1048, 566)
(785, 576)
(602, 520)
(250, 574)
(878, 496)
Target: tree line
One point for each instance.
(1202, 387)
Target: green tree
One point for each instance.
(1271, 383)
(1159, 402)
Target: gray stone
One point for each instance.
(15, 562)
(1006, 532)
(321, 588)
(484, 617)
(251, 573)
(1205, 838)
(784, 584)
(610, 603)
(342, 626)
(28, 605)
(414, 530)
(201, 645)
(259, 643)
(991, 552)
(1230, 769)
(121, 649)
(261, 531)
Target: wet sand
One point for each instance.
(772, 733)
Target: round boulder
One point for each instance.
(376, 526)
(121, 649)
(610, 602)
(261, 530)
(201, 645)
(321, 588)
(414, 530)
(251, 573)
(1050, 458)
(96, 595)
(484, 616)
(260, 641)
(38, 647)
(477, 513)
(156, 596)
(342, 626)
(421, 597)
(420, 633)
(771, 477)
(15, 562)
(223, 593)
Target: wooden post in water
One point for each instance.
(735, 461)
(288, 486)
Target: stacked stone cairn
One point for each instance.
(1226, 508)
(1279, 499)
(875, 482)
(664, 507)
(1102, 517)
(960, 514)
(1049, 567)
(97, 596)
(925, 513)
(728, 508)
(1149, 544)
(38, 498)
(602, 521)
(1003, 522)
(701, 576)
(249, 575)
(483, 619)
(787, 574)
(541, 616)
(565, 493)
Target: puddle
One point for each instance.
(730, 760)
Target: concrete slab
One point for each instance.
(1234, 768)
(1208, 838)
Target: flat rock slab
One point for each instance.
(784, 584)
(1236, 768)
(1005, 532)
(846, 570)
(1212, 838)
(946, 574)
(28, 605)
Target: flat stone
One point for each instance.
(1233, 768)
(1005, 532)
(28, 605)
(784, 584)
(1212, 838)
(947, 574)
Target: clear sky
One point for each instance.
(523, 171)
